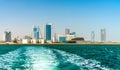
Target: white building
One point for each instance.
(42, 41)
(69, 37)
(34, 41)
(26, 41)
(54, 39)
(38, 41)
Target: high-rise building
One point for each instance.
(67, 31)
(48, 32)
(36, 31)
(7, 36)
(92, 36)
(54, 38)
(103, 35)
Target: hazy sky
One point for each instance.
(81, 16)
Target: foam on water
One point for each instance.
(83, 63)
(41, 58)
(6, 60)
(31, 59)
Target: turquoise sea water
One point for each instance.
(60, 57)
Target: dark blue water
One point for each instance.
(59, 57)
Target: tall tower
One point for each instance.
(54, 37)
(7, 36)
(36, 31)
(103, 35)
(48, 32)
(67, 31)
(92, 36)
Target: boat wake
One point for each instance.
(75, 62)
(28, 58)
(41, 58)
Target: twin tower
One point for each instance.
(37, 34)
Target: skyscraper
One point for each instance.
(92, 36)
(48, 32)
(103, 35)
(54, 37)
(36, 31)
(67, 31)
(7, 36)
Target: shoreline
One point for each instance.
(82, 43)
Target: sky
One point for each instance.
(80, 16)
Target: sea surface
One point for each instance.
(60, 57)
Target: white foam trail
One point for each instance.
(6, 60)
(82, 62)
(42, 59)
(37, 59)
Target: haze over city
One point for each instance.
(81, 16)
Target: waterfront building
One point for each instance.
(69, 37)
(77, 40)
(34, 41)
(47, 32)
(73, 33)
(103, 35)
(17, 40)
(67, 31)
(7, 36)
(26, 41)
(36, 31)
(62, 38)
(54, 38)
(92, 36)
(42, 41)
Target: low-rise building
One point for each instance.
(34, 41)
(62, 38)
(69, 37)
(78, 39)
(42, 41)
(26, 41)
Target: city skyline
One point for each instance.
(81, 16)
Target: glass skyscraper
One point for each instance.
(48, 32)
(36, 30)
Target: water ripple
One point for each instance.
(28, 58)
